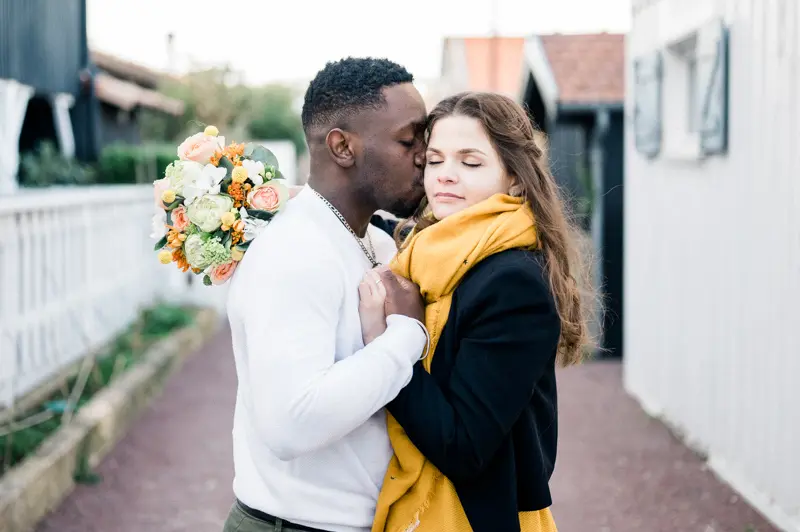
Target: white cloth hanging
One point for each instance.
(14, 97)
(62, 103)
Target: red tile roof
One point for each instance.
(587, 68)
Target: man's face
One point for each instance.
(393, 150)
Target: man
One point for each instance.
(310, 440)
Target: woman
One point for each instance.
(474, 432)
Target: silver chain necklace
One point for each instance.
(371, 253)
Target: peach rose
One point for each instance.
(179, 219)
(199, 148)
(158, 189)
(223, 272)
(269, 197)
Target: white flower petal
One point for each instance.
(158, 225)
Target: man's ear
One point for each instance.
(342, 146)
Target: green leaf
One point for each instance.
(225, 163)
(169, 217)
(207, 280)
(244, 245)
(257, 152)
(278, 175)
(174, 205)
(226, 240)
(261, 215)
(161, 243)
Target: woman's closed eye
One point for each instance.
(468, 165)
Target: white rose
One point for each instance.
(183, 173)
(207, 211)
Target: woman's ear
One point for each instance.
(516, 189)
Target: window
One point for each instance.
(695, 94)
(682, 119)
(693, 109)
(680, 96)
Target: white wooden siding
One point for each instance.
(712, 263)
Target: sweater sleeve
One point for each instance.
(511, 336)
(303, 398)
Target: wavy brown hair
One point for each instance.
(513, 136)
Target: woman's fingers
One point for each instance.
(379, 290)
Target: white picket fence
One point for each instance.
(76, 266)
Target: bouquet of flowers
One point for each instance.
(212, 202)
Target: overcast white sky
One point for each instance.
(290, 40)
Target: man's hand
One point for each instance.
(402, 296)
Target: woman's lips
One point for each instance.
(447, 197)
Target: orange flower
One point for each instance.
(234, 152)
(180, 260)
(236, 237)
(234, 149)
(237, 192)
(175, 238)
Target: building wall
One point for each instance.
(42, 43)
(712, 256)
(119, 126)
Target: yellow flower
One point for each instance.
(239, 174)
(228, 219)
(165, 257)
(237, 254)
(168, 196)
(211, 131)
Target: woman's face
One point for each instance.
(462, 167)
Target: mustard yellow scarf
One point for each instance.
(416, 496)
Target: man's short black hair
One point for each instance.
(349, 85)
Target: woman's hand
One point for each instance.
(372, 306)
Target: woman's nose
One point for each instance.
(448, 176)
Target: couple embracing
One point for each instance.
(400, 377)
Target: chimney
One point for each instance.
(171, 66)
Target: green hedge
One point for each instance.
(121, 163)
(124, 352)
(46, 166)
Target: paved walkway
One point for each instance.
(617, 470)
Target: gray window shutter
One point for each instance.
(712, 62)
(647, 121)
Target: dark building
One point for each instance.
(53, 89)
(574, 87)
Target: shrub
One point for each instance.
(122, 163)
(47, 167)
